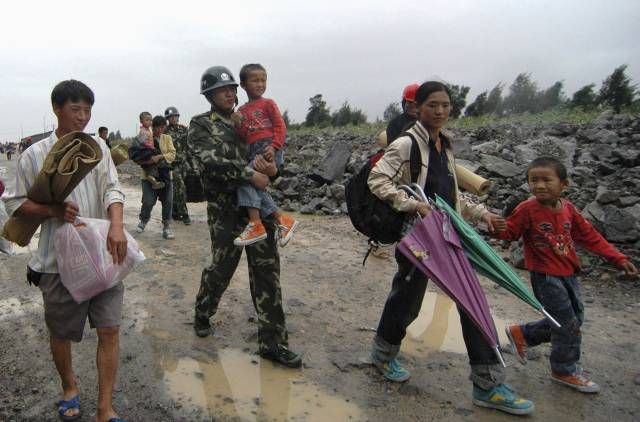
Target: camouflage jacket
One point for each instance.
(214, 147)
(179, 135)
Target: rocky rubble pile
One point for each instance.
(603, 160)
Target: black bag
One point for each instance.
(370, 215)
(193, 186)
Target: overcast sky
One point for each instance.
(150, 55)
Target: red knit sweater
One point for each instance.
(549, 237)
(262, 119)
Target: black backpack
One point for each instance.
(370, 215)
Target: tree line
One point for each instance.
(617, 92)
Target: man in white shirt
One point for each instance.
(98, 196)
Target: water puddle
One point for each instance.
(243, 386)
(437, 328)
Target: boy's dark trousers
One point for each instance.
(560, 296)
(402, 308)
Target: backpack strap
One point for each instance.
(415, 158)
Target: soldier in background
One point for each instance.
(178, 133)
(220, 155)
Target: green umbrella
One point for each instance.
(487, 262)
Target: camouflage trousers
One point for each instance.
(226, 222)
(180, 210)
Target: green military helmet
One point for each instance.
(216, 77)
(171, 111)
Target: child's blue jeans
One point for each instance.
(248, 195)
(560, 296)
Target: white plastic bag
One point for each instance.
(85, 265)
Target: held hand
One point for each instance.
(264, 166)
(629, 268)
(157, 158)
(423, 209)
(237, 118)
(67, 211)
(117, 243)
(259, 180)
(494, 222)
(269, 153)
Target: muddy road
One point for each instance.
(332, 305)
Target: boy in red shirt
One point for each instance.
(550, 227)
(263, 129)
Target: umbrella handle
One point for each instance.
(550, 318)
(499, 355)
(410, 191)
(421, 193)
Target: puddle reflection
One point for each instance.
(246, 387)
(437, 328)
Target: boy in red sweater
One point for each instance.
(550, 227)
(263, 129)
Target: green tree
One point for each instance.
(616, 91)
(494, 101)
(111, 136)
(550, 97)
(522, 95)
(478, 106)
(584, 98)
(342, 116)
(318, 114)
(118, 135)
(358, 117)
(458, 99)
(393, 110)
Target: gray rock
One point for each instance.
(627, 201)
(337, 192)
(490, 148)
(606, 196)
(620, 225)
(497, 165)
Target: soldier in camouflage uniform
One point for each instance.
(179, 134)
(220, 155)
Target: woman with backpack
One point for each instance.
(437, 176)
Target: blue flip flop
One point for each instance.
(64, 405)
(116, 420)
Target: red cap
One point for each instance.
(409, 92)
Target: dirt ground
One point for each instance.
(332, 305)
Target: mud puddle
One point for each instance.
(437, 328)
(241, 385)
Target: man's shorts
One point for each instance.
(66, 319)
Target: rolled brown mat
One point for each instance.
(70, 159)
(471, 182)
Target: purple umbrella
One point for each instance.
(434, 248)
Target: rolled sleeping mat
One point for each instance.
(381, 139)
(471, 182)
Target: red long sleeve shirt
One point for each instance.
(550, 236)
(262, 119)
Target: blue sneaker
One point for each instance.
(392, 370)
(502, 397)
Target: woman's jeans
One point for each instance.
(560, 296)
(402, 308)
(149, 198)
(248, 195)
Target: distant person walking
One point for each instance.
(409, 114)
(103, 133)
(150, 195)
(178, 134)
(97, 196)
